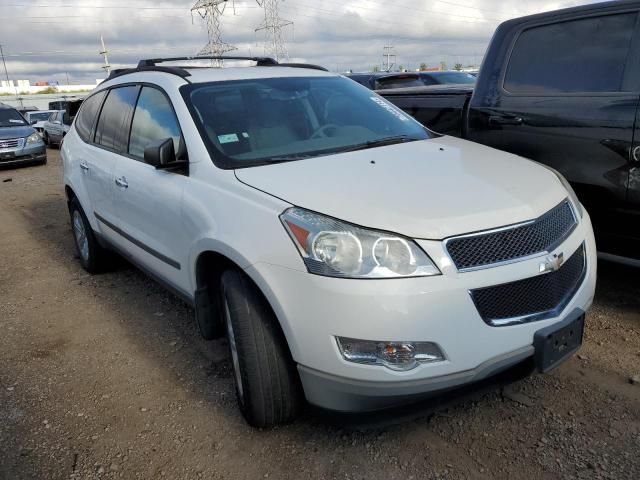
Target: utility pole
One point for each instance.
(273, 25)
(387, 56)
(105, 54)
(211, 11)
(6, 74)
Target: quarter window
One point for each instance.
(113, 124)
(153, 120)
(88, 114)
(578, 56)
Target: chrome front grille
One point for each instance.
(535, 298)
(494, 247)
(11, 143)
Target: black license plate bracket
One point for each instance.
(556, 343)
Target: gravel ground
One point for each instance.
(105, 377)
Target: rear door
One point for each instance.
(567, 98)
(148, 200)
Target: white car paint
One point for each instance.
(427, 190)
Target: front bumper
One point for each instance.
(29, 154)
(313, 310)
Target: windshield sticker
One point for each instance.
(399, 114)
(229, 138)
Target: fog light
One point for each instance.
(399, 356)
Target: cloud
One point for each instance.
(48, 39)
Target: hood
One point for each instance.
(431, 189)
(16, 132)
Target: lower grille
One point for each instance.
(11, 143)
(533, 298)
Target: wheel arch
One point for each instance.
(208, 269)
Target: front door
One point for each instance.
(149, 201)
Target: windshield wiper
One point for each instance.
(381, 142)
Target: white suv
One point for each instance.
(350, 255)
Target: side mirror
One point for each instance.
(33, 122)
(160, 153)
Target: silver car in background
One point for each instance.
(56, 127)
(40, 117)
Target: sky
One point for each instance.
(49, 40)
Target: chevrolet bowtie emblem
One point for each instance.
(552, 263)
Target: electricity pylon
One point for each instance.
(211, 11)
(273, 25)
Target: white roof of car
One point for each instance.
(200, 75)
(204, 75)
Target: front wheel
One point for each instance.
(45, 138)
(92, 256)
(266, 379)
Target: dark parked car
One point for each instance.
(561, 88)
(384, 80)
(20, 144)
(447, 78)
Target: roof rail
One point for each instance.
(151, 65)
(302, 65)
(261, 61)
(180, 72)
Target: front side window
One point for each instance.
(113, 125)
(253, 122)
(578, 56)
(88, 114)
(11, 118)
(153, 120)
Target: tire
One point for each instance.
(93, 257)
(45, 138)
(266, 379)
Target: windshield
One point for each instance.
(254, 122)
(11, 118)
(460, 78)
(39, 116)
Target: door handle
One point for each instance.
(122, 182)
(499, 120)
(84, 166)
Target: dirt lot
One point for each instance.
(105, 377)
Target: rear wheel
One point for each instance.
(266, 379)
(92, 256)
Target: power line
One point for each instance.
(273, 26)
(105, 54)
(211, 11)
(6, 73)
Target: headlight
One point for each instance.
(337, 249)
(572, 194)
(34, 138)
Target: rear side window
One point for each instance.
(113, 125)
(153, 120)
(578, 56)
(88, 114)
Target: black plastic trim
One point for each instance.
(138, 243)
